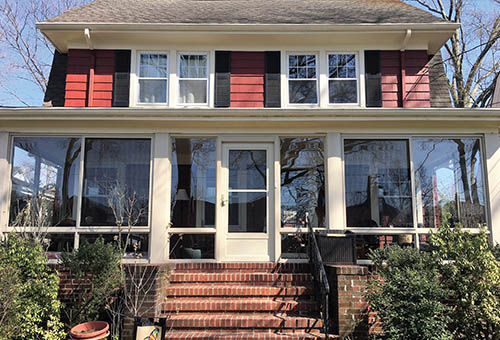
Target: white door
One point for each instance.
(246, 202)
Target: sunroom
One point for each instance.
(233, 197)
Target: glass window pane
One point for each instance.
(343, 91)
(302, 181)
(247, 169)
(247, 212)
(152, 91)
(303, 92)
(449, 182)
(377, 183)
(193, 66)
(45, 181)
(193, 182)
(153, 66)
(294, 246)
(342, 65)
(192, 246)
(116, 182)
(136, 245)
(193, 91)
(365, 243)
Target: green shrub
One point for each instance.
(36, 309)
(406, 295)
(470, 270)
(97, 266)
(10, 290)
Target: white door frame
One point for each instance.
(240, 240)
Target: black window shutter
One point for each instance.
(222, 78)
(56, 87)
(272, 80)
(121, 81)
(373, 79)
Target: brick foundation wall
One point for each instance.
(348, 307)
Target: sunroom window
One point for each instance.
(302, 182)
(193, 182)
(377, 183)
(45, 177)
(153, 78)
(193, 78)
(449, 182)
(116, 182)
(342, 79)
(302, 79)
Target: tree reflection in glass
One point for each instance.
(193, 182)
(377, 183)
(45, 177)
(302, 181)
(449, 182)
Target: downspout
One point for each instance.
(403, 66)
(90, 85)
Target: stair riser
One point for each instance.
(242, 267)
(238, 306)
(296, 279)
(273, 292)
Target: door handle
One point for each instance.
(222, 200)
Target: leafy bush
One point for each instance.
(470, 270)
(407, 296)
(35, 308)
(10, 290)
(97, 267)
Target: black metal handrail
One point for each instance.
(322, 288)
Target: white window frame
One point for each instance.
(356, 55)
(288, 79)
(138, 78)
(207, 79)
(77, 229)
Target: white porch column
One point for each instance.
(160, 199)
(334, 182)
(4, 180)
(492, 145)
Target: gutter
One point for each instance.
(242, 28)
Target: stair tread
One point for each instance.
(243, 316)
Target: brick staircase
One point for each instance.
(240, 301)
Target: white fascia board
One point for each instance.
(289, 114)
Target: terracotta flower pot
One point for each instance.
(89, 330)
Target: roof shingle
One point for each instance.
(246, 12)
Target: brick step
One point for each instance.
(181, 290)
(236, 305)
(242, 267)
(275, 278)
(231, 335)
(241, 321)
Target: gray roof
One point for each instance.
(246, 12)
(438, 81)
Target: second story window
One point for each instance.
(153, 78)
(342, 79)
(302, 79)
(193, 79)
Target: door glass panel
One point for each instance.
(247, 169)
(247, 212)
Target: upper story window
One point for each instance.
(342, 79)
(302, 79)
(153, 78)
(193, 78)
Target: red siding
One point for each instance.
(390, 66)
(247, 79)
(417, 89)
(412, 66)
(89, 79)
